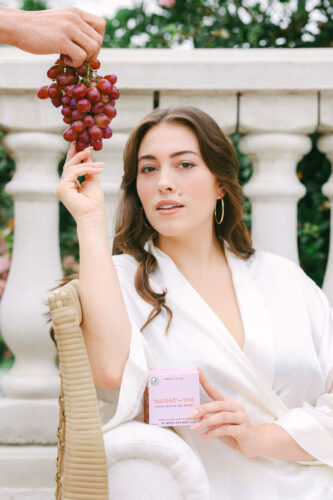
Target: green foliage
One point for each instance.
(216, 24)
(33, 5)
(222, 24)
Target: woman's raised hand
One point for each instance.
(86, 199)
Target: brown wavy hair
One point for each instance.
(132, 229)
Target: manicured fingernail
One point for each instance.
(194, 413)
(195, 426)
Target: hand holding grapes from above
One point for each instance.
(69, 31)
(86, 199)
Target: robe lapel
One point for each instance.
(258, 357)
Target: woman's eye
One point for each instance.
(187, 163)
(144, 168)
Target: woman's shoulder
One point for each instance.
(271, 261)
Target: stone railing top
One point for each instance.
(229, 70)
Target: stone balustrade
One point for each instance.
(274, 97)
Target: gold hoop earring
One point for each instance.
(222, 206)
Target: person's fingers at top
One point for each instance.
(97, 22)
(88, 30)
(88, 44)
(77, 54)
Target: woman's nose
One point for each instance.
(165, 182)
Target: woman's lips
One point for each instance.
(169, 211)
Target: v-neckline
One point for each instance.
(232, 271)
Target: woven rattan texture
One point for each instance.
(81, 461)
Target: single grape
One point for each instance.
(115, 92)
(69, 90)
(73, 103)
(93, 94)
(65, 99)
(83, 105)
(96, 132)
(68, 120)
(84, 136)
(70, 135)
(43, 93)
(110, 111)
(97, 144)
(79, 91)
(78, 126)
(80, 146)
(107, 133)
(88, 121)
(111, 78)
(105, 98)
(54, 71)
(56, 101)
(97, 108)
(95, 64)
(64, 79)
(104, 86)
(102, 120)
(77, 115)
(82, 70)
(53, 90)
(67, 111)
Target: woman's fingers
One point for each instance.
(74, 158)
(85, 168)
(71, 152)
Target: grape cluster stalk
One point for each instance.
(87, 101)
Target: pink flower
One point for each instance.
(2, 287)
(167, 3)
(4, 264)
(69, 262)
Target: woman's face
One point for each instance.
(170, 167)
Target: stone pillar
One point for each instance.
(325, 145)
(29, 409)
(275, 141)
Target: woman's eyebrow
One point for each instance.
(151, 157)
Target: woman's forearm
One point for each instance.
(277, 443)
(105, 323)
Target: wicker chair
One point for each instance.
(81, 467)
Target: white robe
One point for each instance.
(284, 375)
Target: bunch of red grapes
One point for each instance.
(87, 99)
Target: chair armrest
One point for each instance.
(162, 446)
(82, 468)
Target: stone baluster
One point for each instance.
(28, 408)
(275, 141)
(325, 145)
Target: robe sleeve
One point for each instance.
(126, 403)
(311, 426)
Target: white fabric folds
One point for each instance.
(284, 375)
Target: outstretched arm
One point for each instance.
(69, 31)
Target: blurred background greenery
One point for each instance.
(207, 24)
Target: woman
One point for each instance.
(184, 288)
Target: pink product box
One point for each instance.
(170, 396)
